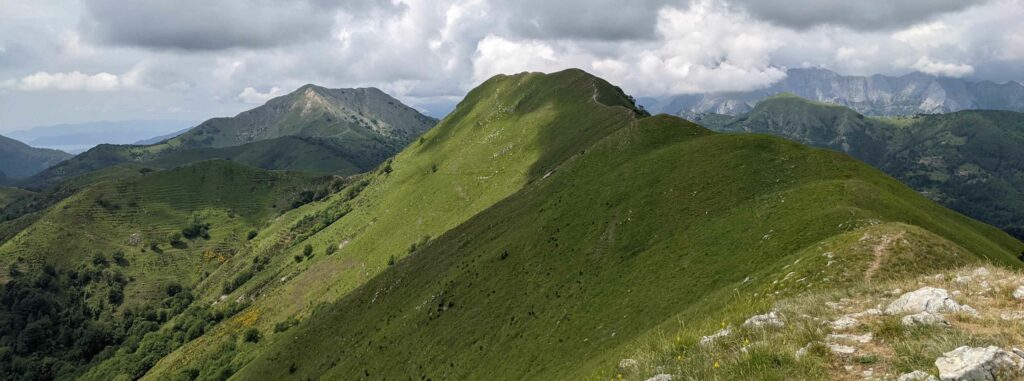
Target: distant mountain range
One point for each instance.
(337, 131)
(968, 160)
(19, 160)
(877, 95)
(79, 137)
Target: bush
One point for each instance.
(175, 238)
(298, 258)
(307, 251)
(330, 249)
(196, 229)
(252, 234)
(237, 282)
(391, 261)
(252, 335)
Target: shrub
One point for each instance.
(330, 249)
(252, 335)
(196, 229)
(252, 234)
(175, 238)
(391, 261)
(298, 258)
(307, 251)
(119, 258)
(237, 282)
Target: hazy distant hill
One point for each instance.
(18, 160)
(79, 137)
(909, 94)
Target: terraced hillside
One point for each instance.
(968, 160)
(343, 131)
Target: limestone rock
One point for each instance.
(927, 299)
(708, 340)
(768, 320)
(627, 365)
(917, 375)
(923, 319)
(979, 364)
(661, 377)
(1019, 293)
(844, 323)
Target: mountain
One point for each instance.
(965, 160)
(878, 95)
(362, 127)
(314, 111)
(80, 137)
(18, 160)
(545, 229)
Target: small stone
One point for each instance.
(627, 365)
(802, 352)
(924, 319)
(708, 340)
(963, 279)
(979, 364)
(844, 323)
(661, 377)
(917, 375)
(840, 349)
(863, 339)
(981, 271)
(1019, 293)
(771, 319)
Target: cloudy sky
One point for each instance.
(84, 60)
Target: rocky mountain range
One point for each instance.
(879, 95)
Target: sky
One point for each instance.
(68, 61)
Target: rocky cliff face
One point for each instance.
(914, 93)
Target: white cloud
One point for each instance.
(253, 96)
(72, 81)
(945, 69)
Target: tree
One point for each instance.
(307, 251)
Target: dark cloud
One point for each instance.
(611, 20)
(215, 25)
(856, 14)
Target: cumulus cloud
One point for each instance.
(74, 81)
(928, 66)
(221, 57)
(253, 96)
(861, 15)
(212, 25)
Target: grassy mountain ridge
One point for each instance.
(543, 230)
(18, 160)
(966, 160)
(618, 240)
(495, 142)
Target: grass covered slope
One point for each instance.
(508, 132)
(968, 160)
(18, 160)
(657, 222)
(145, 217)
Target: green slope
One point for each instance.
(637, 231)
(509, 131)
(18, 160)
(343, 131)
(968, 160)
(137, 214)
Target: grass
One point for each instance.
(544, 230)
(637, 230)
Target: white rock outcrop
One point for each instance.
(661, 377)
(768, 320)
(927, 299)
(708, 340)
(924, 319)
(979, 364)
(1019, 293)
(844, 323)
(917, 375)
